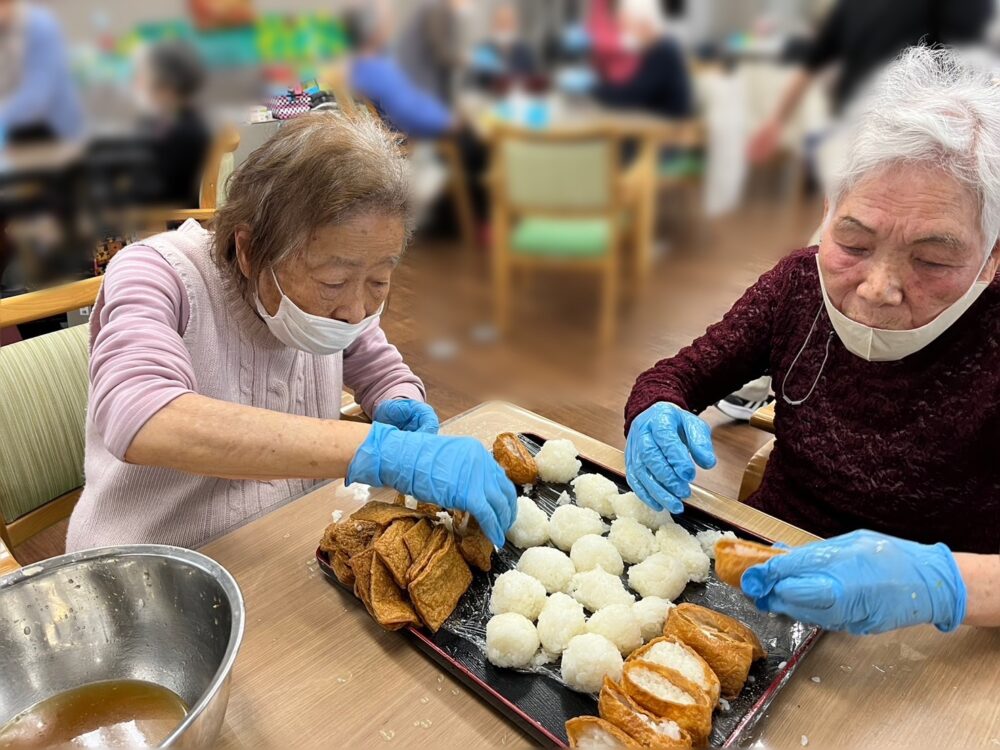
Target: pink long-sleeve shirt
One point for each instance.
(167, 322)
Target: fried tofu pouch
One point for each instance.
(515, 459)
(439, 585)
(592, 733)
(618, 708)
(726, 644)
(667, 693)
(734, 556)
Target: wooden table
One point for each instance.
(32, 161)
(315, 670)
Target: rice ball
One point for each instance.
(633, 541)
(658, 575)
(549, 566)
(515, 591)
(709, 537)
(511, 640)
(530, 527)
(595, 492)
(557, 461)
(570, 522)
(674, 540)
(651, 612)
(560, 620)
(591, 551)
(587, 660)
(619, 625)
(596, 589)
(629, 505)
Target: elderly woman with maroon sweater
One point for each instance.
(884, 347)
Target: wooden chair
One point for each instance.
(557, 203)
(42, 416)
(753, 475)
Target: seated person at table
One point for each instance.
(218, 358)
(660, 84)
(375, 75)
(881, 341)
(505, 55)
(168, 78)
(38, 99)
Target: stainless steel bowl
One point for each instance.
(146, 612)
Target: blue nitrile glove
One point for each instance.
(658, 455)
(408, 415)
(457, 473)
(862, 582)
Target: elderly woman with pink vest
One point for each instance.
(218, 358)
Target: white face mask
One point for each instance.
(883, 345)
(294, 327)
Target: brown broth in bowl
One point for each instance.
(111, 714)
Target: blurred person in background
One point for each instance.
(169, 77)
(660, 83)
(862, 36)
(504, 55)
(410, 108)
(613, 62)
(38, 98)
(430, 46)
(218, 359)
(881, 341)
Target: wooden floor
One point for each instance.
(439, 315)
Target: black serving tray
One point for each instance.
(537, 700)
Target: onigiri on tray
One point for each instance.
(587, 576)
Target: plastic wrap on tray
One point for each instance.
(536, 698)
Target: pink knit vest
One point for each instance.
(235, 359)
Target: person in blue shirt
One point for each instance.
(377, 76)
(38, 98)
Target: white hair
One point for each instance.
(645, 11)
(936, 107)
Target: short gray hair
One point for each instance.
(932, 106)
(320, 169)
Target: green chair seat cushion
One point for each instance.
(562, 238)
(44, 385)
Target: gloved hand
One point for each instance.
(408, 415)
(457, 473)
(658, 455)
(862, 582)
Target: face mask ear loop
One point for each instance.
(791, 368)
(275, 277)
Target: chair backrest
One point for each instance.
(566, 172)
(42, 414)
(218, 167)
(37, 305)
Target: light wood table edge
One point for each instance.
(763, 418)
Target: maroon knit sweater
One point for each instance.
(909, 448)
